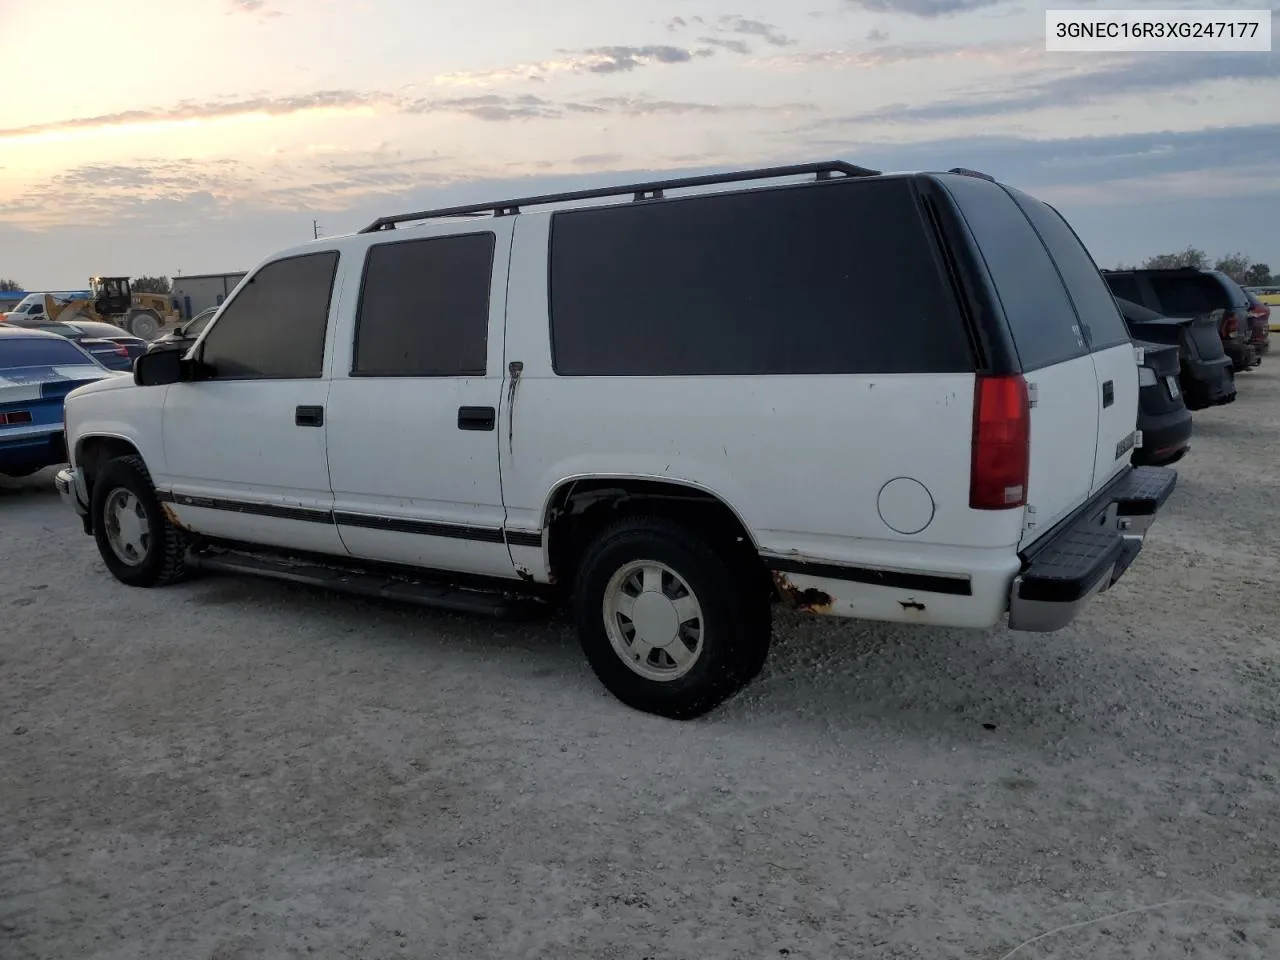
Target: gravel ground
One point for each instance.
(233, 769)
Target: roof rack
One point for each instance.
(652, 190)
(967, 172)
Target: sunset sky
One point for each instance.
(166, 136)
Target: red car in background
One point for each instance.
(1259, 323)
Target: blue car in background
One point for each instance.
(37, 371)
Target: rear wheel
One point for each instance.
(136, 540)
(669, 624)
(144, 324)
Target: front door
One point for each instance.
(413, 410)
(245, 449)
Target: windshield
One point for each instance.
(18, 352)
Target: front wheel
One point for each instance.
(144, 324)
(669, 624)
(136, 540)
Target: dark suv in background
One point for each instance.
(1188, 292)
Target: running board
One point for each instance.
(420, 592)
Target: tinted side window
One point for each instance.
(1187, 294)
(1040, 315)
(1095, 306)
(826, 279)
(1124, 287)
(275, 327)
(424, 308)
(1233, 290)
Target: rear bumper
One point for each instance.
(1243, 355)
(1165, 437)
(36, 450)
(1208, 383)
(1086, 554)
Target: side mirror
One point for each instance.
(159, 368)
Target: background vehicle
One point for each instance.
(37, 371)
(182, 337)
(1188, 292)
(1268, 295)
(111, 300)
(1260, 322)
(1163, 418)
(107, 343)
(1206, 375)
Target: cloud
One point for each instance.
(734, 24)
(608, 59)
(877, 36)
(623, 59)
(188, 110)
(926, 9)
(1011, 54)
(1080, 162)
(1121, 76)
(260, 7)
(756, 28)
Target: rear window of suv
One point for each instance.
(1188, 294)
(837, 278)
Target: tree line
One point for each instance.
(1242, 269)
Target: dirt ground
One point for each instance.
(234, 769)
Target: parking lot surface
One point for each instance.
(232, 768)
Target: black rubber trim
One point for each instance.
(923, 582)
(428, 528)
(425, 528)
(306, 514)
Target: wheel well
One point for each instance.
(580, 509)
(93, 453)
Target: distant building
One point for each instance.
(198, 292)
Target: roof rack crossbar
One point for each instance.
(654, 190)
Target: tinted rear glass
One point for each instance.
(1125, 287)
(826, 279)
(1233, 289)
(1187, 294)
(39, 352)
(1095, 306)
(1040, 315)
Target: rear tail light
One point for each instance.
(18, 416)
(1146, 377)
(1230, 325)
(122, 350)
(1001, 444)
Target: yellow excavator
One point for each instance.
(112, 301)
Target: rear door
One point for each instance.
(1051, 349)
(1115, 364)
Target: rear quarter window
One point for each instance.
(837, 278)
(18, 352)
(1041, 318)
(1095, 306)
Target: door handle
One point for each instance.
(477, 418)
(308, 416)
(1108, 393)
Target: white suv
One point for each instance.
(894, 397)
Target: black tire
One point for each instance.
(145, 324)
(735, 626)
(164, 560)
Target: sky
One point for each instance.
(198, 136)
